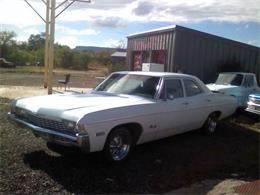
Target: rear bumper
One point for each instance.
(80, 140)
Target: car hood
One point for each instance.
(60, 105)
(221, 88)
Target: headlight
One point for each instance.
(70, 125)
(81, 127)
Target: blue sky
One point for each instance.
(106, 22)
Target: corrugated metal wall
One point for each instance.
(206, 55)
(197, 53)
(152, 41)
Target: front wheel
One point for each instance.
(118, 145)
(210, 125)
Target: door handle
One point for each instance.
(185, 103)
(208, 100)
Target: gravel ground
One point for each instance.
(191, 163)
(28, 166)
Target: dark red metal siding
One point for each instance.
(156, 42)
(153, 42)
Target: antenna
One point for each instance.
(49, 34)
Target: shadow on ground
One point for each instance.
(156, 167)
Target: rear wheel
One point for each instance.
(118, 145)
(210, 126)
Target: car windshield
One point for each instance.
(139, 85)
(229, 79)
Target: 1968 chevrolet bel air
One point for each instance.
(126, 109)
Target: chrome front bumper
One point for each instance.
(254, 108)
(80, 140)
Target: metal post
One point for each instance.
(51, 46)
(47, 34)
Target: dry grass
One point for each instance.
(30, 76)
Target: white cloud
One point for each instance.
(168, 11)
(71, 31)
(21, 38)
(111, 43)
(31, 31)
(252, 42)
(113, 22)
(70, 41)
(118, 13)
(17, 12)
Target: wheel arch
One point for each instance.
(217, 112)
(135, 129)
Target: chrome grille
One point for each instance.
(39, 121)
(255, 100)
(46, 123)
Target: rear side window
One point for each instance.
(191, 88)
(173, 89)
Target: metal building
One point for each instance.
(181, 49)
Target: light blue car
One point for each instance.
(253, 104)
(237, 84)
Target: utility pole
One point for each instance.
(50, 35)
(46, 52)
(51, 46)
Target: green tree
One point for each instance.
(81, 60)
(66, 58)
(36, 42)
(6, 42)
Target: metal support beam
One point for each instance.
(51, 46)
(64, 9)
(47, 37)
(35, 10)
(50, 36)
(61, 3)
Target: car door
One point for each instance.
(173, 108)
(197, 105)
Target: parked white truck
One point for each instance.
(237, 84)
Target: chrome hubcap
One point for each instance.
(118, 148)
(212, 125)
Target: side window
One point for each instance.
(173, 89)
(249, 81)
(191, 88)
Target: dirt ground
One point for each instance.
(191, 163)
(31, 77)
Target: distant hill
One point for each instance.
(95, 49)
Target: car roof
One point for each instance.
(165, 75)
(157, 74)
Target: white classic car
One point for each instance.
(126, 109)
(237, 84)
